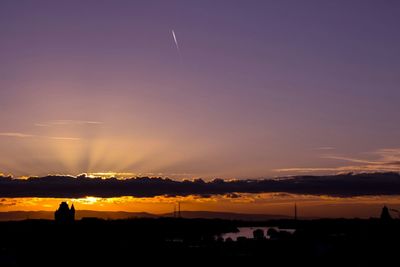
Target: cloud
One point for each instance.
(343, 185)
(385, 160)
(23, 135)
(63, 138)
(354, 160)
(67, 122)
(111, 174)
(325, 148)
(19, 135)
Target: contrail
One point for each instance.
(176, 41)
(176, 44)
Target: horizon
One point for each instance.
(186, 214)
(337, 199)
(309, 210)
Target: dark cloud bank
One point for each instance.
(344, 185)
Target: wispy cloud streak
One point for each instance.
(67, 122)
(14, 134)
(24, 135)
(386, 160)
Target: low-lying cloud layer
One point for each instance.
(344, 185)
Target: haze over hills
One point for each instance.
(49, 215)
(229, 215)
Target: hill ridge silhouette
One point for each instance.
(49, 215)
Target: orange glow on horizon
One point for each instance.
(266, 203)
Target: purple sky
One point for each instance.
(258, 88)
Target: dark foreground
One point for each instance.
(186, 242)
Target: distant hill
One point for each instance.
(113, 214)
(23, 215)
(49, 215)
(228, 215)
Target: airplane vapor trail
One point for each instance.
(177, 44)
(176, 41)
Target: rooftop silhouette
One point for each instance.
(64, 214)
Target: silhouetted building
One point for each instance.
(64, 213)
(385, 215)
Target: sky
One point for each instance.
(272, 204)
(246, 89)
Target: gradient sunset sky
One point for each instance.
(253, 89)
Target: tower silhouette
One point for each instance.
(64, 214)
(385, 215)
(174, 210)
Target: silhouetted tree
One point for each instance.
(272, 233)
(258, 234)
